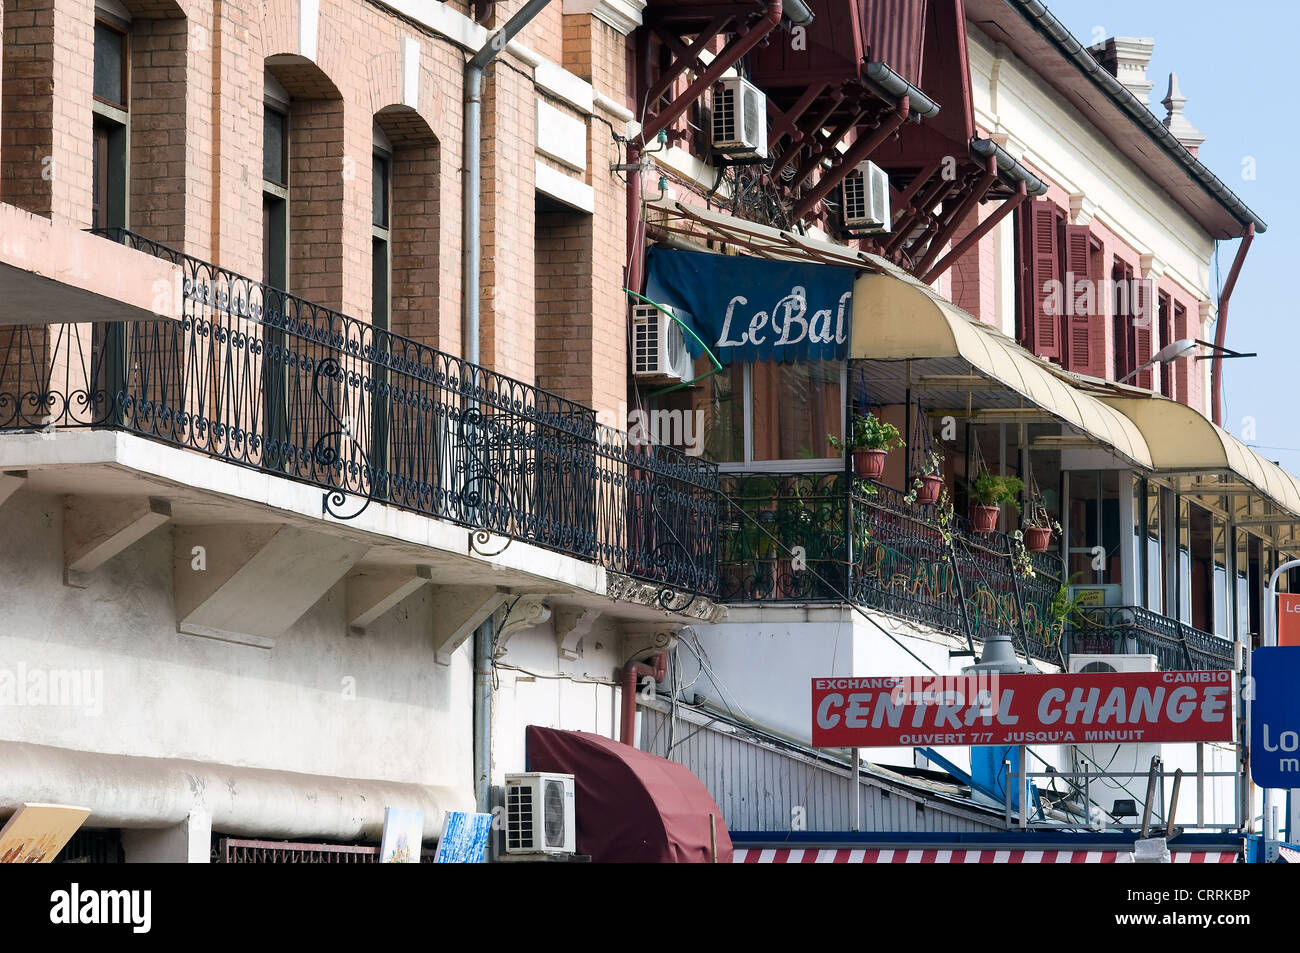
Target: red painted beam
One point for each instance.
(807, 132)
(684, 57)
(788, 122)
(856, 153)
(920, 207)
(820, 145)
(977, 233)
(953, 222)
(746, 39)
(1221, 326)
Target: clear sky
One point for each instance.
(1236, 65)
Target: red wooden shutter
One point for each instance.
(1143, 319)
(1181, 367)
(1085, 310)
(1045, 276)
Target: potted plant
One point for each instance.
(989, 492)
(927, 485)
(870, 443)
(1039, 528)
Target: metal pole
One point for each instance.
(1150, 798)
(1173, 803)
(1006, 790)
(855, 799)
(1024, 787)
(473, 175)
(1200, 784)
(483, 638)
(470, 285)
(1087, 794)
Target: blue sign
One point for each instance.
(753, 309)
(1275, 717)
(464, 838)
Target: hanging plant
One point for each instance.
(1040, 526)
(928, 484)
(987, 493)
(869, 444)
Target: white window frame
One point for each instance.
(809, 465)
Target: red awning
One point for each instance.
(630, 806)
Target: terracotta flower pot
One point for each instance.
(1037, 539)
(928, 493)
(869, 464)
(984, 518)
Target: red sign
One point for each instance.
(883, 711)
(1288, 618)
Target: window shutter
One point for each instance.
(1181, 367)
(1081, 354)
(1044, 275)
(1143, 319)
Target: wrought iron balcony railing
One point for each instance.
(784, 538)
(267, 380)
(1133, 630)
(787, 538)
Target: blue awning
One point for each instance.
(753, 309)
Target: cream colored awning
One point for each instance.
(896, 317)
(1183, 441)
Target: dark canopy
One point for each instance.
(630, 806)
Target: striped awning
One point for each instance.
(832, 855)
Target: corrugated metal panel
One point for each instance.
(759, 787)
(894, 32)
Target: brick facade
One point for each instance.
(195, 161)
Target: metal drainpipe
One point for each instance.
(1221, 326)
(470, 278)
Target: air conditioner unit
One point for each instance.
(658, 344)
(1105, 664)
(1126, 761)
(739, 118)
(864, 194)
(539, 813)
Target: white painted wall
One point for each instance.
(167, 695)
(535, 687)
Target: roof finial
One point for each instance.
(1176, 122)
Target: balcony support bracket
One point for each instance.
(458, 611)
(248, 583)
(373, 594)
(11, 481)
(95, 529)
(572, 625)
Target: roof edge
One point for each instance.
(1046, 23)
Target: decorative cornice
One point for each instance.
(1082, 208)
(1152, 267)
(622, 15)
